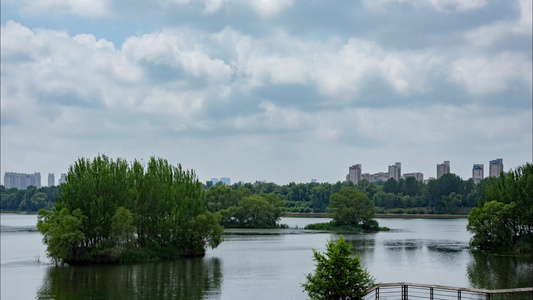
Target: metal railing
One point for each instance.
(405, 291)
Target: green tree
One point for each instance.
(62, 233)
(338, 275)
(503, 220)
(350, 207)
(254, 211)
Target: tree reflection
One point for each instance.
(487, 271)
(196, 278)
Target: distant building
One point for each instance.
(226, 180)
(477, 173)
(395, 171)
(214, 180)
(314, 180)
(443, 168)
(51, 179)
(381, 176)
(354, 174)
(376, 177)
(428, 180)
(418, 176)
(496, 167)
(22, 181)
(62, 179)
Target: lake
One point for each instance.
(259, 264)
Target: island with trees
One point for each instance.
(350, 211)
(110, 211)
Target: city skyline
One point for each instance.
(477, 173)
(280, 90)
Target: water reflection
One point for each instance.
(500, 272)
(197, 278)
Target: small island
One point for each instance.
(351, 211)
(110, 211)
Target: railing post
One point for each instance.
(489, 296)
(404, 292)
(459, 295)
(377, 293)
(430, 293)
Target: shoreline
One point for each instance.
(411, 216)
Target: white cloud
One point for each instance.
(269, 8)
(85, 8)
(274, 118)
(438, 5)
(484, 75)
(498, 31)
(176, 49)
(213, 6)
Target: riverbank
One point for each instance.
(410, 216)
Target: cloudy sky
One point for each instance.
(275, 90)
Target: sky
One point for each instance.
(276, 90)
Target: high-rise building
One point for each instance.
(443, 168)
(51, 179)
(226, 180)
(354, 174)
(62, 179)
(496, 167)
(22, 181)
(417, 175)
(395, 171)
(477, 173)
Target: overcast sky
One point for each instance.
(276, 90)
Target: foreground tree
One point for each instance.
(338, 275)
(503, 220)
(111, 211)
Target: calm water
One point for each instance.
(259, 264)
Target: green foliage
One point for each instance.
(28, 200)
(503, 221)
(62, 233)
(338, 275)
(350, 207)
(121, 212)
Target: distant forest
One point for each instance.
(446, 195)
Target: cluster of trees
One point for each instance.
(113, 211)
(448, 194)
(241, 209)
(30, 199)
(503, 220)
(350, 210)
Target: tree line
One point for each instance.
(29, 200)
(446, 195)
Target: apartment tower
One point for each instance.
(495, 167)
(354, 174)
(477, 173)
(443, 168)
